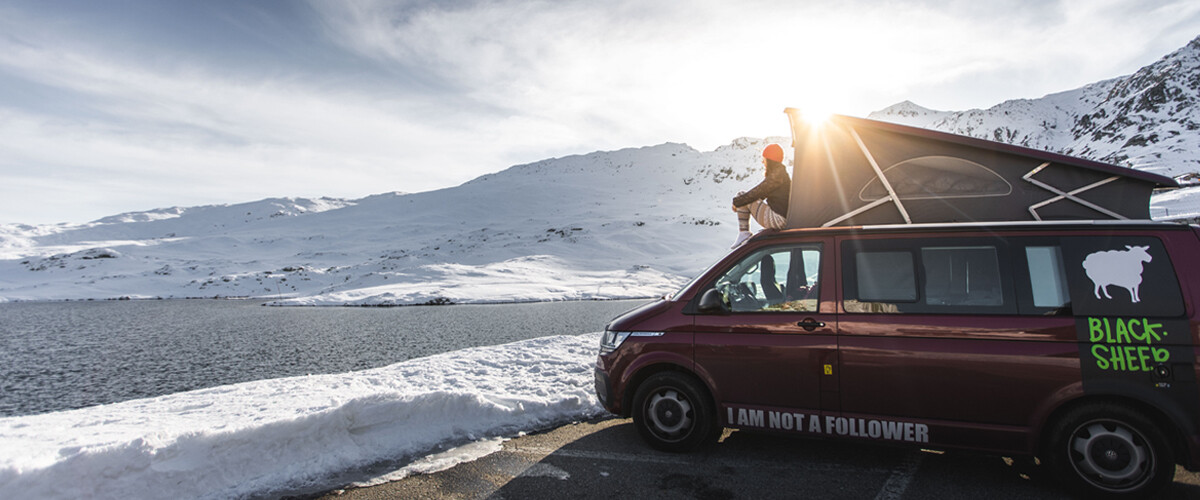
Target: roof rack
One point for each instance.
(1033, 223)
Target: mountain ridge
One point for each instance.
(1148, 120)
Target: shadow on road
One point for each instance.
(613, 460)
(607, 459)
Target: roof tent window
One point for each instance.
(928, 177)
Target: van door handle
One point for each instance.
(810, 324)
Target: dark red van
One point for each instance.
(1075, 342)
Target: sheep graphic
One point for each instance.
(1117, 267)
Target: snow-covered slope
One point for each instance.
(271, 438)
(1149, 120)
(630, 223)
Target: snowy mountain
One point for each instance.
(1149, 120)
(620, 224)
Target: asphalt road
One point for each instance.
(606, 459)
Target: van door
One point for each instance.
(932, 334)
(775, 347)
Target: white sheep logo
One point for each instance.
(1117, 267)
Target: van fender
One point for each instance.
(1182, 418)
(708, 381)
(1039, 419)
(648, 364)
(1157, 405)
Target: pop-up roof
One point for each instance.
(852, 171)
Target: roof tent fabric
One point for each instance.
(852, 171)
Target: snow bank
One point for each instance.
(294, 434)
(537, 278)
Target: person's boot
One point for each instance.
(741, 238)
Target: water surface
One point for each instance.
(63, 355)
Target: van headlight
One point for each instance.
(612, 340)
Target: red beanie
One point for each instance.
(773, 152)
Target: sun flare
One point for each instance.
(815, 114)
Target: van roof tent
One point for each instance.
(853, 171)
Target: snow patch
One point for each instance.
(525, 279)
(301, 433)
(440, 461)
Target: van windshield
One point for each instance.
(674, 295)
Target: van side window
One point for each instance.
(1047, 278)
(886, 277)
(962, 276)
(953, 276)
(778, 279)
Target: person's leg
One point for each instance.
(761, 212)
(743, 215)
(765, 216)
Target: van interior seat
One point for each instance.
(766, 276)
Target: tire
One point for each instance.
(1110, 451)
(672, 412)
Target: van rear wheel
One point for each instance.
(672, 412)
(1110, 451)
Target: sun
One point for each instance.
(815, 114)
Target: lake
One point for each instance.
(65, 355)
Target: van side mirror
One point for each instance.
(712, 302)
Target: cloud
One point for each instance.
(706, 71)
(352, 98)
(183, 130)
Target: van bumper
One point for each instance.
(1193, 456)
(604, 392)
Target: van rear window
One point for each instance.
(1121, 276)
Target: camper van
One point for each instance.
(997, 303)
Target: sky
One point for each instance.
(117, 106)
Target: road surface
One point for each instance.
(606, 459)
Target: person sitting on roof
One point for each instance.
(768, 201)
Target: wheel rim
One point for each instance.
(1111, 455)
(670, 414)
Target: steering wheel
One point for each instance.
(741, 298)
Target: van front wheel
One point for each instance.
(672, 412)
(1110, 451)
